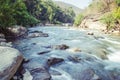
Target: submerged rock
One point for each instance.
(90, 33)
(43, 52)
(54, 60)
(40, 74)
(60, 47)
(37, 71)
(10, 60)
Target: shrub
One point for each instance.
(78, 19)
(116, 13)
(109, 20)
(118, 2)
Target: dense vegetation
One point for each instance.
(47, 12)
(31, 12)
(78, 19)
(109, 11)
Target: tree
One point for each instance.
(78, 20)
(6, 14)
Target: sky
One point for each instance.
(79, 3)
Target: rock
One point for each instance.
(2, 40)
(37, 34)
(89, 74)
(17, 31)
(10, 60)
(53, 61)
(37, 71)
(74, 58)
(9, 44)
(90, 33)
(74, 50)
(60, 47)
(40, 74)
(43, 52)
(2, 36)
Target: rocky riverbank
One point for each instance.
(10, 58)
(94, 22)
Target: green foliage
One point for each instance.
(118, 2)
(6, 13)
(111, 18)
(109, 21)
(47, 12)
(78, 19)
(116, 13)
(15, 12)
(30, 12)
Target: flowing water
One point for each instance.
(102, 46)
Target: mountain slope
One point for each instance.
(66, 5)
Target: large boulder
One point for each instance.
(10, 60)
(17, 31)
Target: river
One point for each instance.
(102, 48)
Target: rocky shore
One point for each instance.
(10, 59)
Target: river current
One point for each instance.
(102, 46)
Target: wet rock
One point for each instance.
(17, 31)
(2, 40)
(53, 61)
(89, 74)
(34, 43)
(6, 44)
(74, 58)
(90, 33)
(40, 74)
(37, 34)
(60, 47)
(10, 60)
(74, 50)
(43, 52)
(26, 60)
(37, 71)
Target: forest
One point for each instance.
(32, 12)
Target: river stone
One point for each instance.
(40, 74)
(37, 71)
(43, 52)
(53, 61)
(60, 47)
(10, 60)
(17, 31)
(34, 34)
